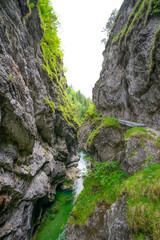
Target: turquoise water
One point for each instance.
(54, 224)
(56, 219)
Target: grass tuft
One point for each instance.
(143, 201)
(138, 132)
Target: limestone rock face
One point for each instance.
(128, 89)
(110, 145)
(137, 152)
(84, 132)
(129, 84)
(36, 143)
(107, 223)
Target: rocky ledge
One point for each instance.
(134, 149)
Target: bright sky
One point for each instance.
(81, 24)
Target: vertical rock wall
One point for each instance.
(129, 84)
(36, 142)
(129, 89)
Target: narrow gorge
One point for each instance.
(40, 135)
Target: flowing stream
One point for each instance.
(54, 224)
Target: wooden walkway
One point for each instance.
(134, 124)
(131, 124)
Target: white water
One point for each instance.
(78, 183)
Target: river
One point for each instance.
(54, 224)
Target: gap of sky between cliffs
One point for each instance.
(81, 33)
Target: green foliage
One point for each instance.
(101, 184)
(52, 53)
(66, 108)
(138, 236)
(50, 103)
(108, 174)
(91, 113)
(143, 201)
(53, 64)
(31, 5)
(106, 181)
(68, 115)
(79, 102)
(106, 122)
(138, 132)
(156, 7)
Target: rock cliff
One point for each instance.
(37, 139)
(128, 87)
(134, 149)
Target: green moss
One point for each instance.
(158, 142)
(96, 121)
(92, 136)
(101, 185)
(138, 236)
(101, 85)
(133, 153)
(31, 5)
(153, 49)
(51, 50)
(11, 78)
(91, 113)
(142, 192)
(106, 122)
(156, 7)
(53, 61)
(50, 103)
(138, 132)
(87, 201)
(68, 116)
(143, 201)
(141, 10)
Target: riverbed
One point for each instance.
(54, 224)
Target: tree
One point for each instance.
(109, 25)
(79, 102)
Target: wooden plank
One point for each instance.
(131, 124)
